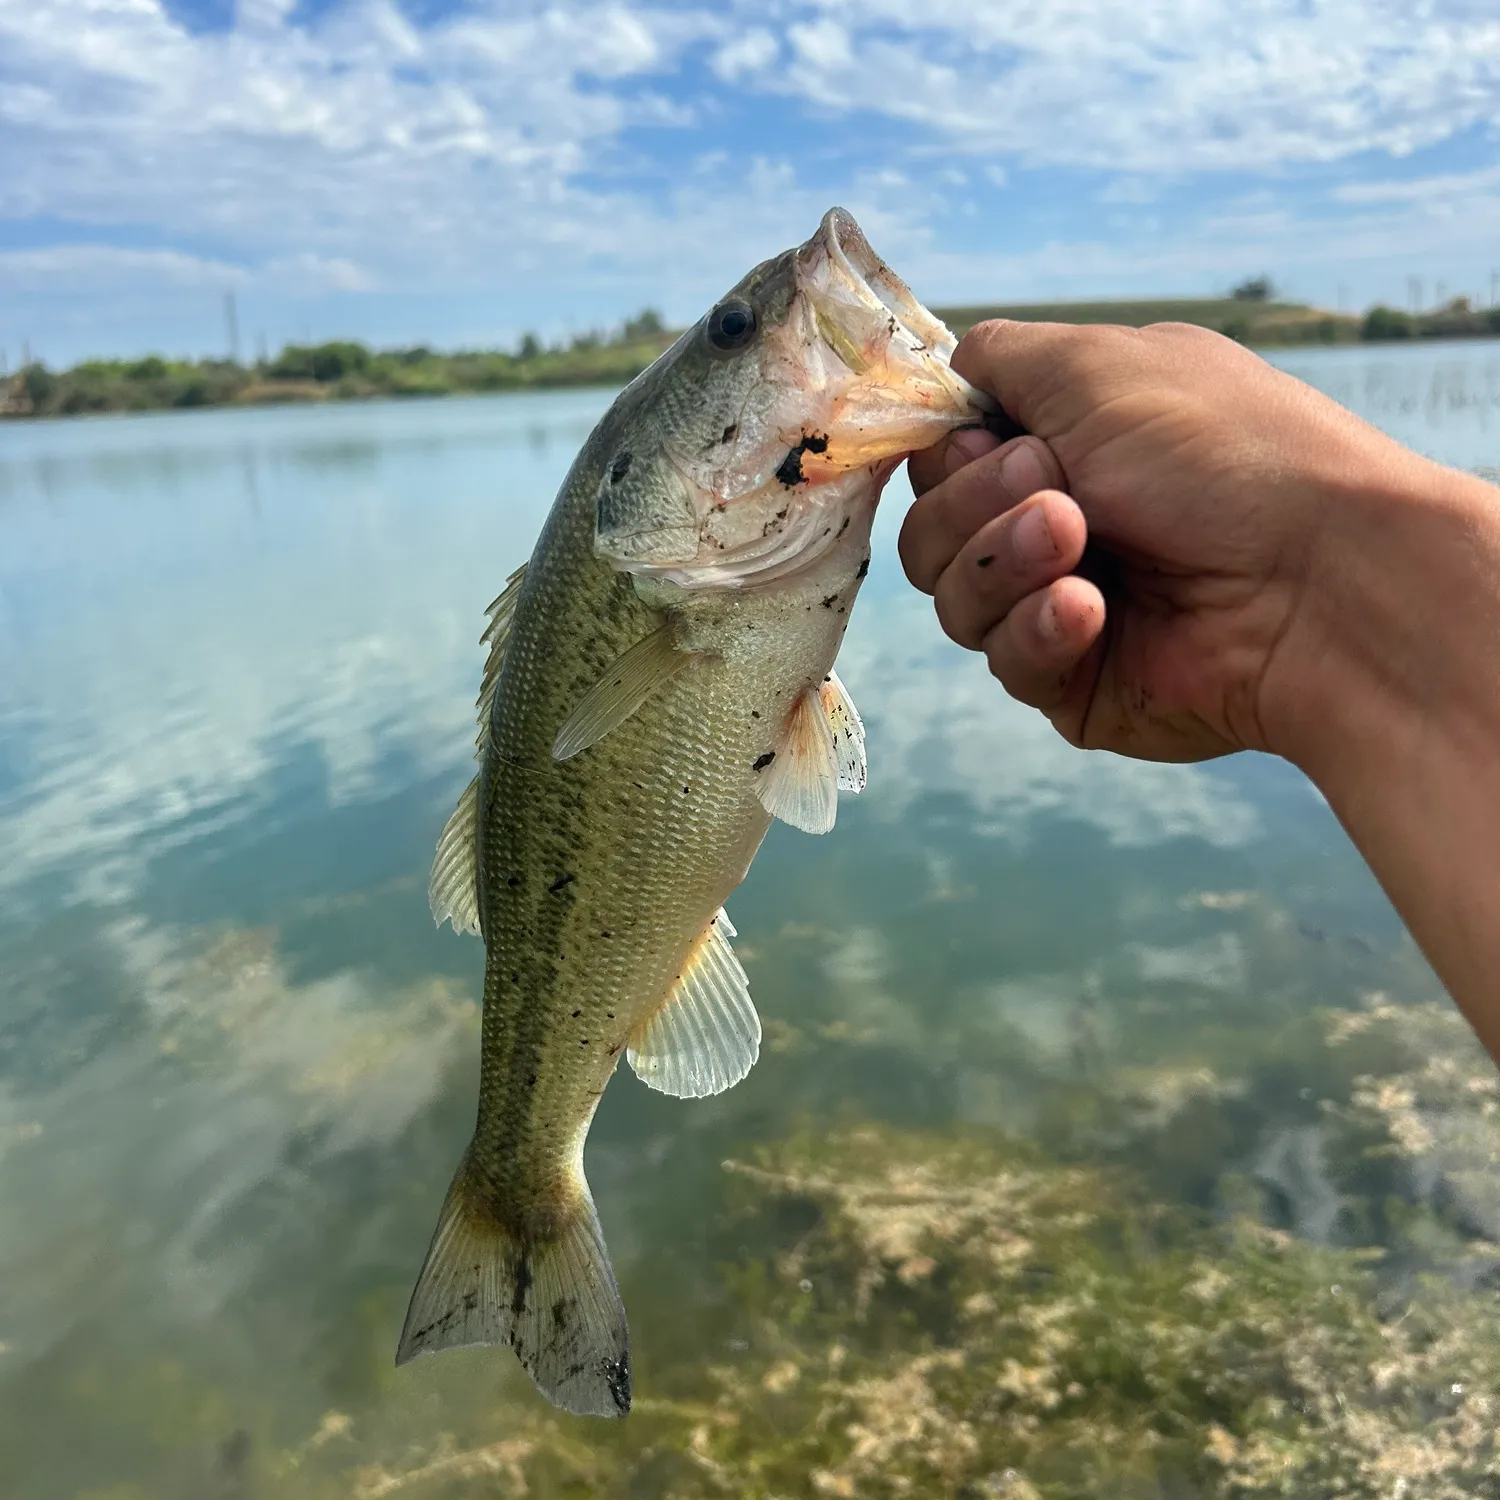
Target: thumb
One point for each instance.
(1031, 369)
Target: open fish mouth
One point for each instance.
(893, 390)
(852, 274)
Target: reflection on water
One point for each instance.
(1094, 1034)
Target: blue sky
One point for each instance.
(460, 171)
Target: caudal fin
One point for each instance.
(553, 1300)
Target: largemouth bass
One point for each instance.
(659, 686)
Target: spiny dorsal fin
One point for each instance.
(799, 782)
(649, 665)
(848, 731)
(452, 892)
(706, 1036)
(495, 636)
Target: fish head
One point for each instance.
(792, 400)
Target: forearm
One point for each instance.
(1398, 721)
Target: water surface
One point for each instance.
(238, 657)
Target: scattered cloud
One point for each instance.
(1444, 187)
(94, 263)
(753, 51)
(535, 150)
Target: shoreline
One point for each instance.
(345, 372)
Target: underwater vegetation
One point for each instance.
(908, 1311)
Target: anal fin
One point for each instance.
(706, 1036)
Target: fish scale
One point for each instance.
(662, 687)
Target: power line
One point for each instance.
(232, 327)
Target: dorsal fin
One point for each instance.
(706, 1035)
(452, 891)
(496, 635)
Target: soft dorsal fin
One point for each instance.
(848, 731)
(452, 892)
(649, 665)
(798, 782)
(706, 1036)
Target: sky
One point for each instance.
(459, 172)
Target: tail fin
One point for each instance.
(553, 1300)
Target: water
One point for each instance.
(237, 1062)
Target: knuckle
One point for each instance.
(950, 620)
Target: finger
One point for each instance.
(944, 519)
(1035, 370)
(1040, 650)
(1007, 559)
(933, 465)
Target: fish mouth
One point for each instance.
(886, 356)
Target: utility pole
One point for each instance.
(232, 327)
(1442, 294)
(25, 353)
(1414, 292)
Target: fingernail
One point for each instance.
(1032, 538)
(1021, 471)
(967, 445)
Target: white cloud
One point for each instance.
(750, 52)
(307, 269)
(1439, 188)
(108, 264)
(1161, 86)
(500, 145)
(431, 143)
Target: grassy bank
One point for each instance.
(346, 371)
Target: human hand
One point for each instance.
(1149, 569)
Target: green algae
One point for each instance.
(931, 1314)
(1253, 1269)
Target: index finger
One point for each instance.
(1031, 369)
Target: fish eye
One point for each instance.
(731, 325)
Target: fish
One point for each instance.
(659, 687)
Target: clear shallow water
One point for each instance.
(237, 667)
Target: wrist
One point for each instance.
(1398, 720)
(1395, 641)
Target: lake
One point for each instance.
(1109, 1136)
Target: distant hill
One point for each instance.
(1247, 321)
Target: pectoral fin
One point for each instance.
(706, 1037)
(798, 781)
(648, 666)
(848, 731)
